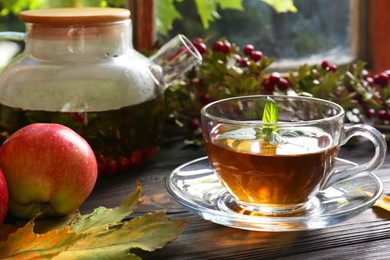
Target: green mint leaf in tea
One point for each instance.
(238, 136)
(274, 139)
(241, 134)
(270, 114)
(266, 133)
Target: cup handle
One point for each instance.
(376, 161)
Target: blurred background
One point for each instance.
(293, 31)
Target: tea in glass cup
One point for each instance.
(276, 167)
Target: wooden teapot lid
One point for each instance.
(69, 16)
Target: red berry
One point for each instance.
(198, 81)
(283, 84)
(243, 62)
(197, 40)
(101, 168)
(147, 154)
(218, 46)
(135, 158)
(274, 78)
(205, 98)
(381, 79)
(201, 47)
(193, 124)
(268, 86)
(383, 115)
(110, 166)
(256, 55)
(101, 162)
(78, 117)
(325, 64)
(370, 113)
(248, 49)
(122, 163)
(226, 47)
(332, 68)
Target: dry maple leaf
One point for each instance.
(25, 244)
(102, 234)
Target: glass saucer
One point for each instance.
(197, 188)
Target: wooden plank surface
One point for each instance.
(365, 236)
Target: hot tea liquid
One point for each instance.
(120, 138)
(258, 173)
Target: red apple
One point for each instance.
(3, 198)
(49, 169)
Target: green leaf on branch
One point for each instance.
(282, 6)
(15, 7)
(102, 234)
(166, 15)
(166, 9)
(231, 4)
(207, 11)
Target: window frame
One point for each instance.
(378, 35)
(370, 41)
(143, 19)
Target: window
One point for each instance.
(321, 29)
(365, 29)
(347, 29)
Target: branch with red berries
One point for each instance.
(228, 70)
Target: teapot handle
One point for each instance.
(12, 36)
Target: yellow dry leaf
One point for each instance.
(383, 202)
(102, 234)
(25, 244)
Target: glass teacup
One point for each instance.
(277, 168)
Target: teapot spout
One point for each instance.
(175, 58)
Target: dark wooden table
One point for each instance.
(366, 236)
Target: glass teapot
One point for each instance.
(79, 69)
